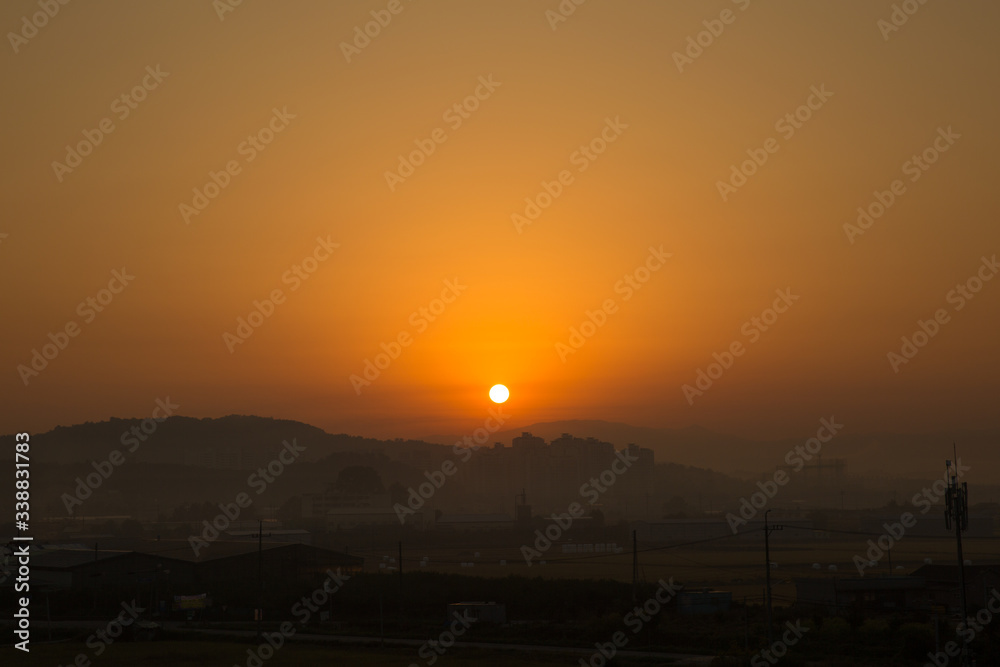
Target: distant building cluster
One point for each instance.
(550, 475)
(500, 486)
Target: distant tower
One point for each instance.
(522, 511)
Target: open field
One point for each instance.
(558, 613)
(225, 654)
(734, 567)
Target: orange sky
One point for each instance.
(337, 127)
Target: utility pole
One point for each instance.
(767, 565)
(635, 570)
(746, 625)
(957, 513)
(260, 577)
(96, 588)
(381, 622)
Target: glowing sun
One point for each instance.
(499, 393)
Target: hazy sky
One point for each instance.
(640, 124)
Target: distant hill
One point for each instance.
(244, 442)
(233, 442)
(188, 460)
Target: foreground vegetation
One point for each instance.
(224, 654)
